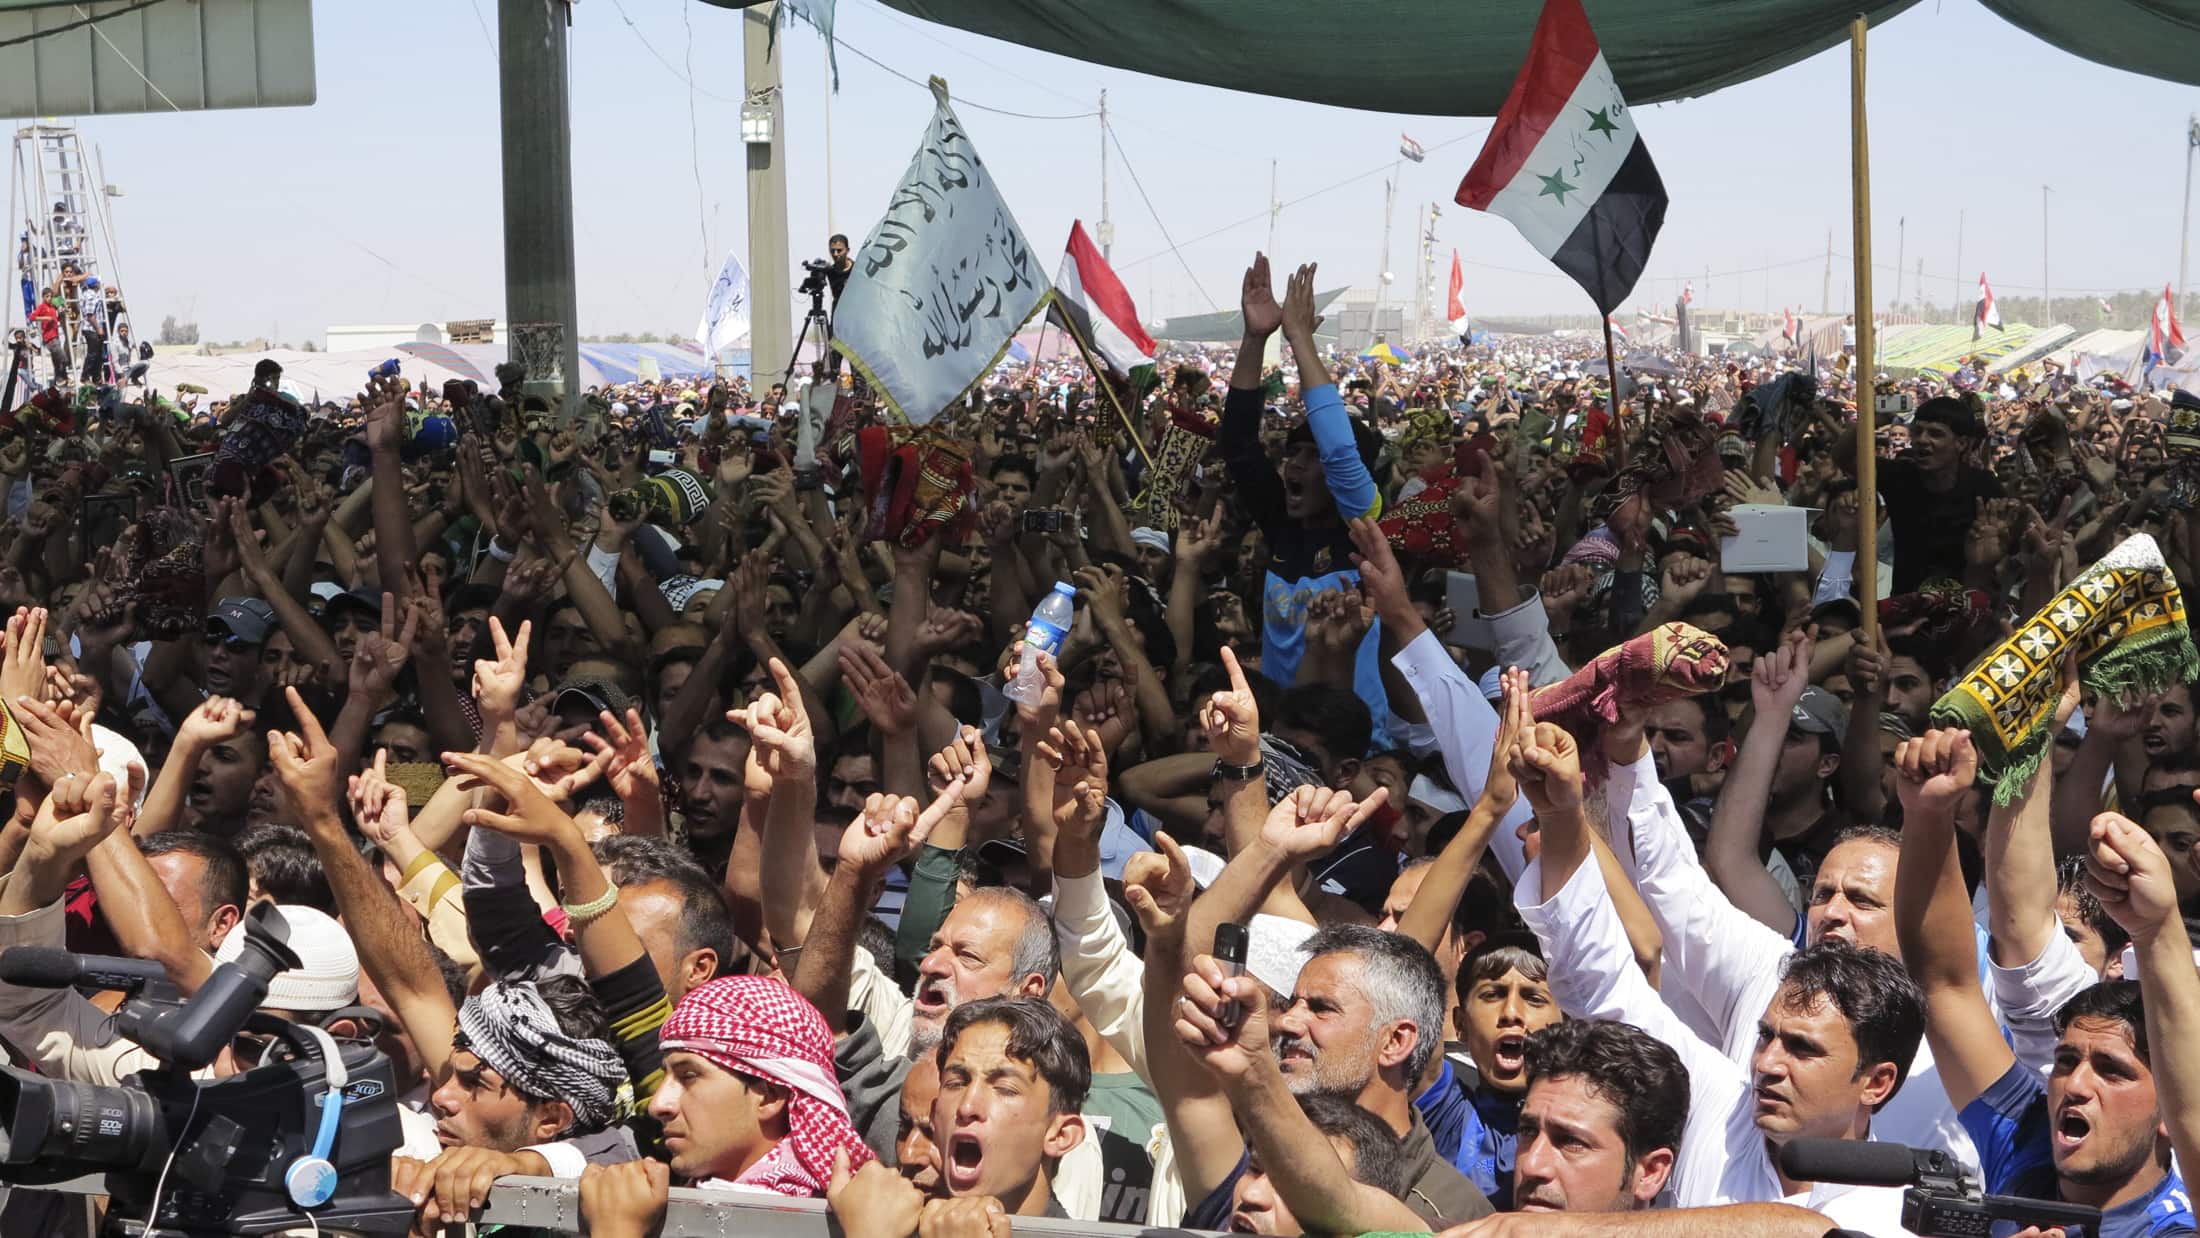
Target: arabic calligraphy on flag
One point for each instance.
(944, 281)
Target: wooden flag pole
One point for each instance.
(1867, 458)
(1100, 380)
(1611, 370)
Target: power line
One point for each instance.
(1377, 170)
(960, 101)
(695, 153)
(1173, 247)
(89, 19)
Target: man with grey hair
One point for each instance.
(996, 942)
(1362, 1023)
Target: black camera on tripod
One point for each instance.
(814, 283)
(288, 1144)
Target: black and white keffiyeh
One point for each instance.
(513, 1030)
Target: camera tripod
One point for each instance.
(823, 322)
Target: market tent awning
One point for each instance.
(1450, 58)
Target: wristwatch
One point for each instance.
(1240, 773)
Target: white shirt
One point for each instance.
(1466, 729)
(1731, 962)
(1723, 1157)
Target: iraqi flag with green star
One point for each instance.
(1565, 165)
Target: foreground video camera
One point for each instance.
(255, 1153)
(1943, 1198)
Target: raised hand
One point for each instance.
(1935, 771)
(1382, 581)
(60, 747)
(881, 691)
(1231, 719)
(1777, 681)
(964, 760)
(499, 680)
(2128, 871)
(628, 766)
(1478, 502)
(378, 804)
(1228, 1048)
(305, 763)
(1159, 885)
(23, 668)
(1515, 719)
(382, 654)
(946, 629)
(531, 817)
(1080, 765)
(1683, 581)
(890, 828)
(1257, 301)
(1312, 819)
(217, 720)
(1299, 319)
(78, 814)
(1547, 763)
(785, 748)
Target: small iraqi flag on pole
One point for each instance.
(1563, 162)
(2165, 339)
(1787, 332)
(1454, 309)
(1988, 314)
(1410, 148)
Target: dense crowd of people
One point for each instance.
(1416, 828)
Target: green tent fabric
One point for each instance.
(1458, 58)
(2160, 38)
(1228, 326)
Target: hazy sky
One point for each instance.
(261, 222)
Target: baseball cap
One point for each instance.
(327, 975)
(245, 619)
(360, 599)
(601, 694)
(1820, 713)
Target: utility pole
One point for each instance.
(1275, 208)
(1382, 268)
(832, 217)
(1825, 288)
(1958, 298)
(763, 130)
(1901, 239)
(1921, 288)
(1107, 225)
(2184, 231)
(2047, 290)
(541, 306)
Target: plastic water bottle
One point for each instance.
(1049, 624)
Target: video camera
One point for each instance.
(1942, 1198)
(814, 283)
(287, 1145)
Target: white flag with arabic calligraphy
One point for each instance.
(944, 281)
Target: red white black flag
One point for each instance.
(1563, 162)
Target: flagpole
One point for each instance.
(1867, 459)
(1100, 380)
(1611, 370)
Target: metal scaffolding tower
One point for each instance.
(63, 230)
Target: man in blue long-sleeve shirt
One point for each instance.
(1326, 479)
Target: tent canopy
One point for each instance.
(1447, 58)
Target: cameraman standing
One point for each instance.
(837, 274)
(839, 267)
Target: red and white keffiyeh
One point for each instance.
(761, 1028)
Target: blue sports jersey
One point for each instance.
(1475, 1129)
(2009, 1123)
